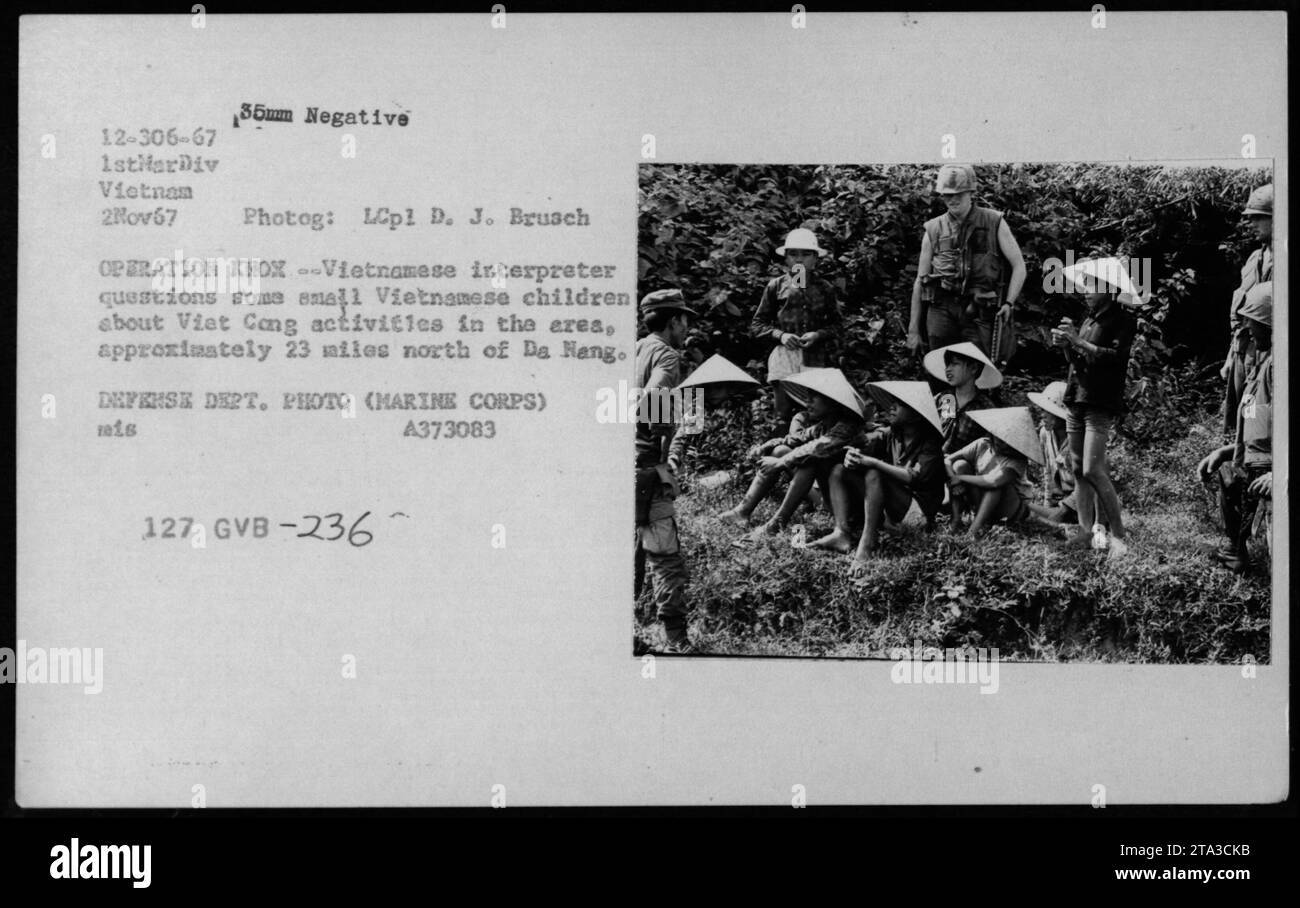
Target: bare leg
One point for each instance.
(800, 483)
(758, 490)
(996, 505)
(846, 491)
(1097, 473)
(960, 496)
(873, 505)
(1085, 496)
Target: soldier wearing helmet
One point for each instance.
(966, 254)
(1258, 269)
(658, 372)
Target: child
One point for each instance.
(712, 383)
(833, 419)
(1244, 469)
(994, 467)
(896, 465)
(1098, 353)
(970, 376)
(1058, 504)
(800, 312)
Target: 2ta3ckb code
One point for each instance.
(332, 527)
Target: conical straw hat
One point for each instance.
(1014, 426)
(828, 382)
(1113, 272)
(989, 378)
(717, 370)
(1051, 399)
(916, 394)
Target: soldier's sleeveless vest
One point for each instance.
(965, 258)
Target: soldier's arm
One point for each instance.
(922, 271)
(1011, 249)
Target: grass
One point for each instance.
(1165, 601)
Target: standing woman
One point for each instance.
(1098, 353)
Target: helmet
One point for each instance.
(1259, 304)
(954, 178)
(1261, 201)
(801, 238)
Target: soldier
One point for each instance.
(658, 372)
(1244, 467)
(965, 254)
(1258, 269)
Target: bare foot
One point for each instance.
(858, 567)
(837, 541)
(736, 516)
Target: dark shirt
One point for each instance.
(787, 309)
(825, 440)
(959, 429)
(921, 456)
(1097, 379)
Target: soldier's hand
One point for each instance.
(790, 341)
(1209, 463)
(769, 464)
(1263, 486)
(1005, 311)
(1225, 371)
(852, 458)
(913, 341)
(808, 338)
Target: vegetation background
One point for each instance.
(712, 231)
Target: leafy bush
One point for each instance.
(712, 231)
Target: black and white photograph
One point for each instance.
(1023, 407)
(948, 349)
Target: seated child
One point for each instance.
(1244, 469)
(970, 376)
(993, 468)
(896, 464)
(832, 419)
(1058, 504)
(713, 383)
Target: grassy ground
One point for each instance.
(1165, 601)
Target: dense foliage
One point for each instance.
(712, 231)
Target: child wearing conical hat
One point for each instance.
(1057, 504)
(832, 419)
(971, 377)
(1098, 353)
(710, 385)
(894, 466)
(995, 467)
